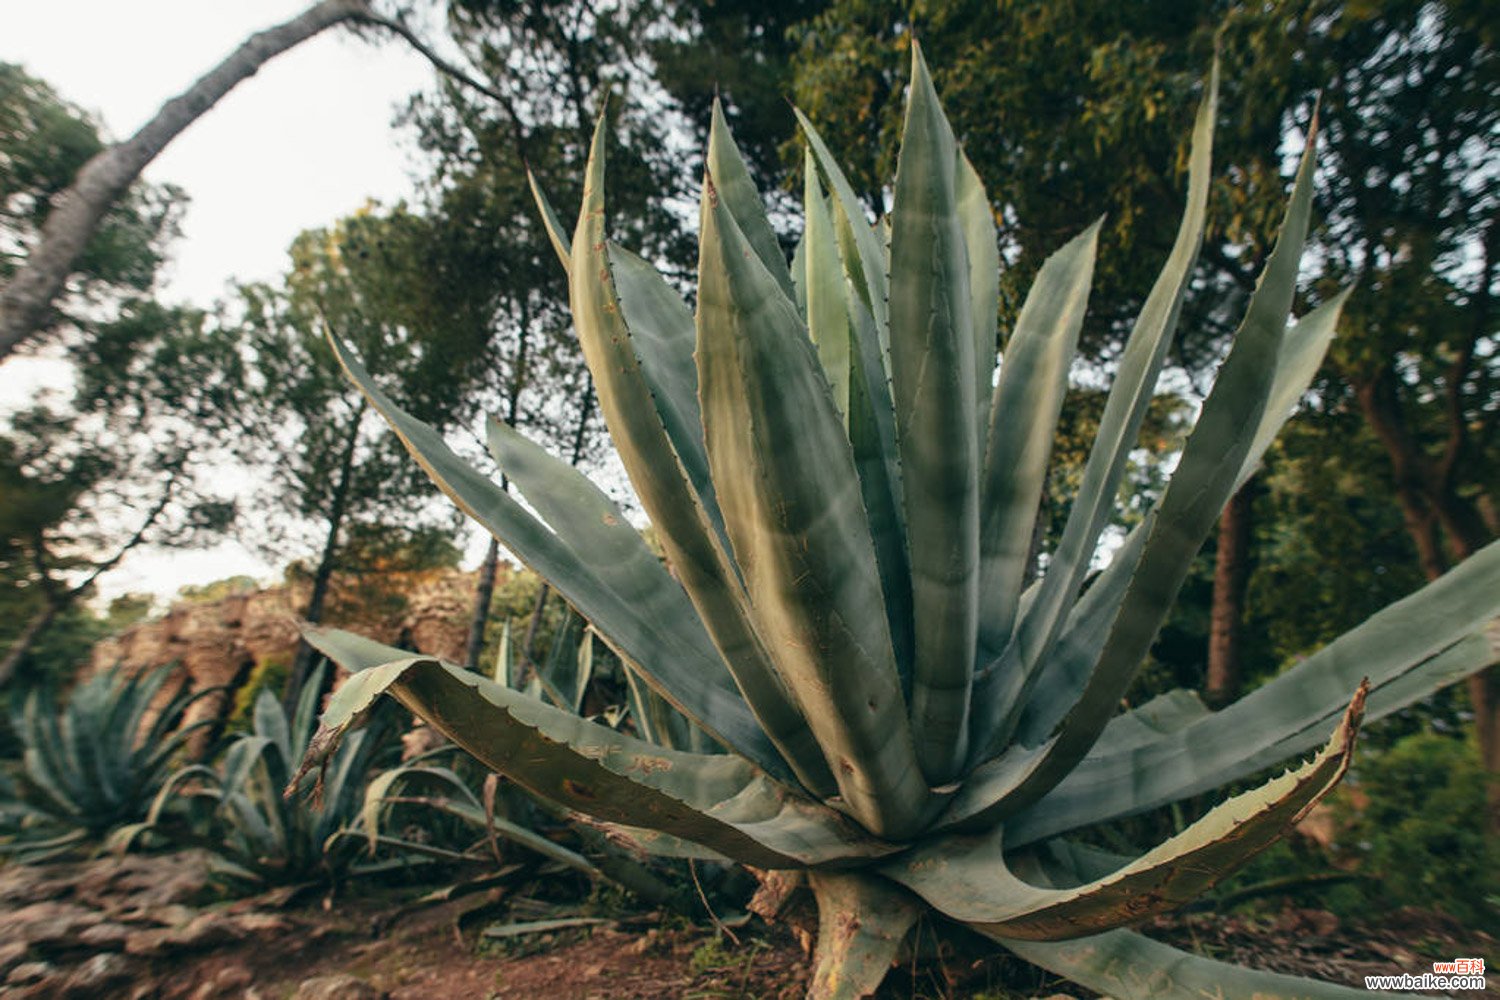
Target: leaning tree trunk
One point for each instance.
(1231, 571)
(27, 299)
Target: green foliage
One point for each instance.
(129, 457)
(846, 496)
(268, 675)
(94, 763)
(217, 590)
(1421, 835)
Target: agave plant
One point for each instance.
(845, 491)
(94, 764)
(238, 812)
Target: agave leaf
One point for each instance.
(870, 415)
(795, 515)
(718, 800)
(591, 523)
(1434, 637)
(933, 384)
(977, 219)
(304, 717)
(504, 672)
(1063, 676)
(1002, 688)
(270, 722)
(799, 273)
(826, 307)
(1205, 479)
(872, 438)
(1301, 354)
(693, 544)
(662, 332)
(581, 514)
(967, 877)
(557, 233)
(1023, 418)
(677, 670)
(559, 672)
(44, 762)
(379, 792)
(732, 178)
(860, 246)
(1130, 966)
(862, 922)
(840, 324)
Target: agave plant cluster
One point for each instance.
(236, 809)
(93, 762)
(845, 488)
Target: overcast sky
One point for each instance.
(306, 140)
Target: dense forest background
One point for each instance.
(1389, 475)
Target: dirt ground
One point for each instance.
(153, 927)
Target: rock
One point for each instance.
(341, 987)
(228, 981)
(256, 924)
(29, 972)
(109, 936)
(150, 881)
(12, 953)
(218, 643)
(104, 969)
(203, 931)
(48, 925)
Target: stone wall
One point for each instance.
(220, 643)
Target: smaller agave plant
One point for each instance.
(92, 764)
(237, 812)
(845, 491)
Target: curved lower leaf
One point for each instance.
(1442, 633)
(717, 800)
(968, 879)
(1130, 966)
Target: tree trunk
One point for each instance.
(338, 508)
(485, 592)
(484, 596)
(1427, 502)
(27, 299)
(1231, 571)
(17, 652)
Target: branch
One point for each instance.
(399, 28)
(26, 300)
(134, 540)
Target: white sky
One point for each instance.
(305, 141)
